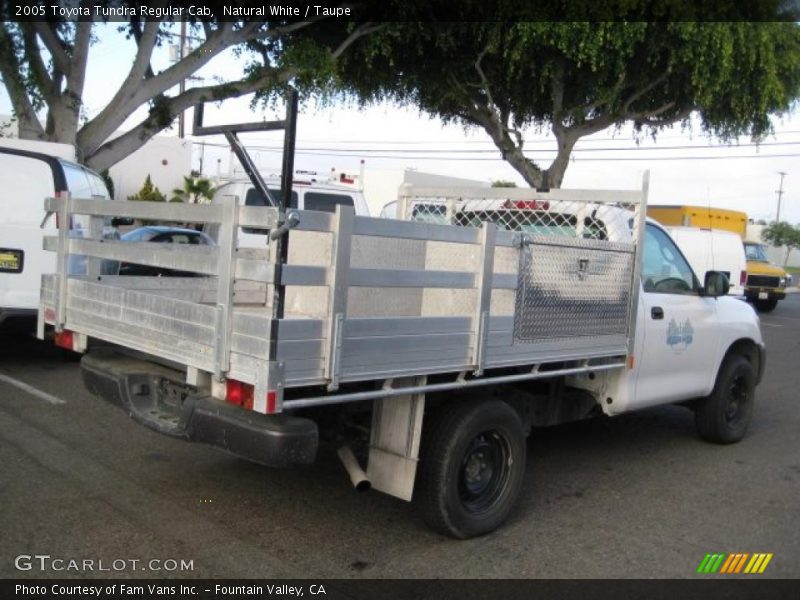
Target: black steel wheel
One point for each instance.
(472, 467)
(723, 417)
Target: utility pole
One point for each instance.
(182, 87)
(780, 195)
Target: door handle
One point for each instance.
(657, 312)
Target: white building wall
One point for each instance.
(166, 159)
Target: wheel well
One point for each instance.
(748, 349)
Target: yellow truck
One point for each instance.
(766, 282)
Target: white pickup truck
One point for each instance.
(425, 352)
(410, 341)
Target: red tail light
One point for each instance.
(271, 400)
(743, 278)
(239, 394)
(64, 339)
(242, 394)
(527, 204)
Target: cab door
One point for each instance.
(676, 325)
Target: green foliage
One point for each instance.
(148, 193)
(109, 182)
(196, 190)
(782, 234)
(504, 74)
(503, 183)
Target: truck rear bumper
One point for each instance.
(157, 398)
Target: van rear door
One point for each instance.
(26, 181)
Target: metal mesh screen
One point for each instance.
(575, 290)
(535, 217)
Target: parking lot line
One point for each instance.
(771, 324)
(31, 390)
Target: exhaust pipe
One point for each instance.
(357, 475)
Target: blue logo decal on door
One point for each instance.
(679, 336)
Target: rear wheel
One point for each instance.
(473, 465)
(723, 417)
(767, 305)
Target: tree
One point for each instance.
(43, 68)
(196, 190)
(782, 234)
(578, 78)
(503, 183)
(148, 193)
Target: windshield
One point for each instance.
(755, 252)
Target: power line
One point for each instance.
(495, 150)
(367, 154)
(536, 141)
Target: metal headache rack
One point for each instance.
(469, 283)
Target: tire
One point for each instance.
(723, 417)
(472, 467)
(767, 305)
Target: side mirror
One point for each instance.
(716, 284)
(121, 221)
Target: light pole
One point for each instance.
(182, 87)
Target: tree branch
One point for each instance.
(53, 44)
(10, 69)
(36, 64)
(650, 86)
(145, 42)
(116, 149)
(136, 91)
(679, 116)
(358, 32)
(76, 75)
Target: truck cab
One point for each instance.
(766, 282)
(683, 326)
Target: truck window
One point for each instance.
(533, 222)
(664, 270)
(77, 182)
(255, 198)
(755, 252)
(325, 202)
(429, 213)
(98, 186)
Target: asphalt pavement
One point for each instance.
(632, 496)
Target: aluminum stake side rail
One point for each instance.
(378, 310)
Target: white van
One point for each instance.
(307, 194)
(713, 250)
(26, 179)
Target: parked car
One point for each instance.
(159, 234)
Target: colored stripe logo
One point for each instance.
(735, 563)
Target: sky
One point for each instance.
(685, 167)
